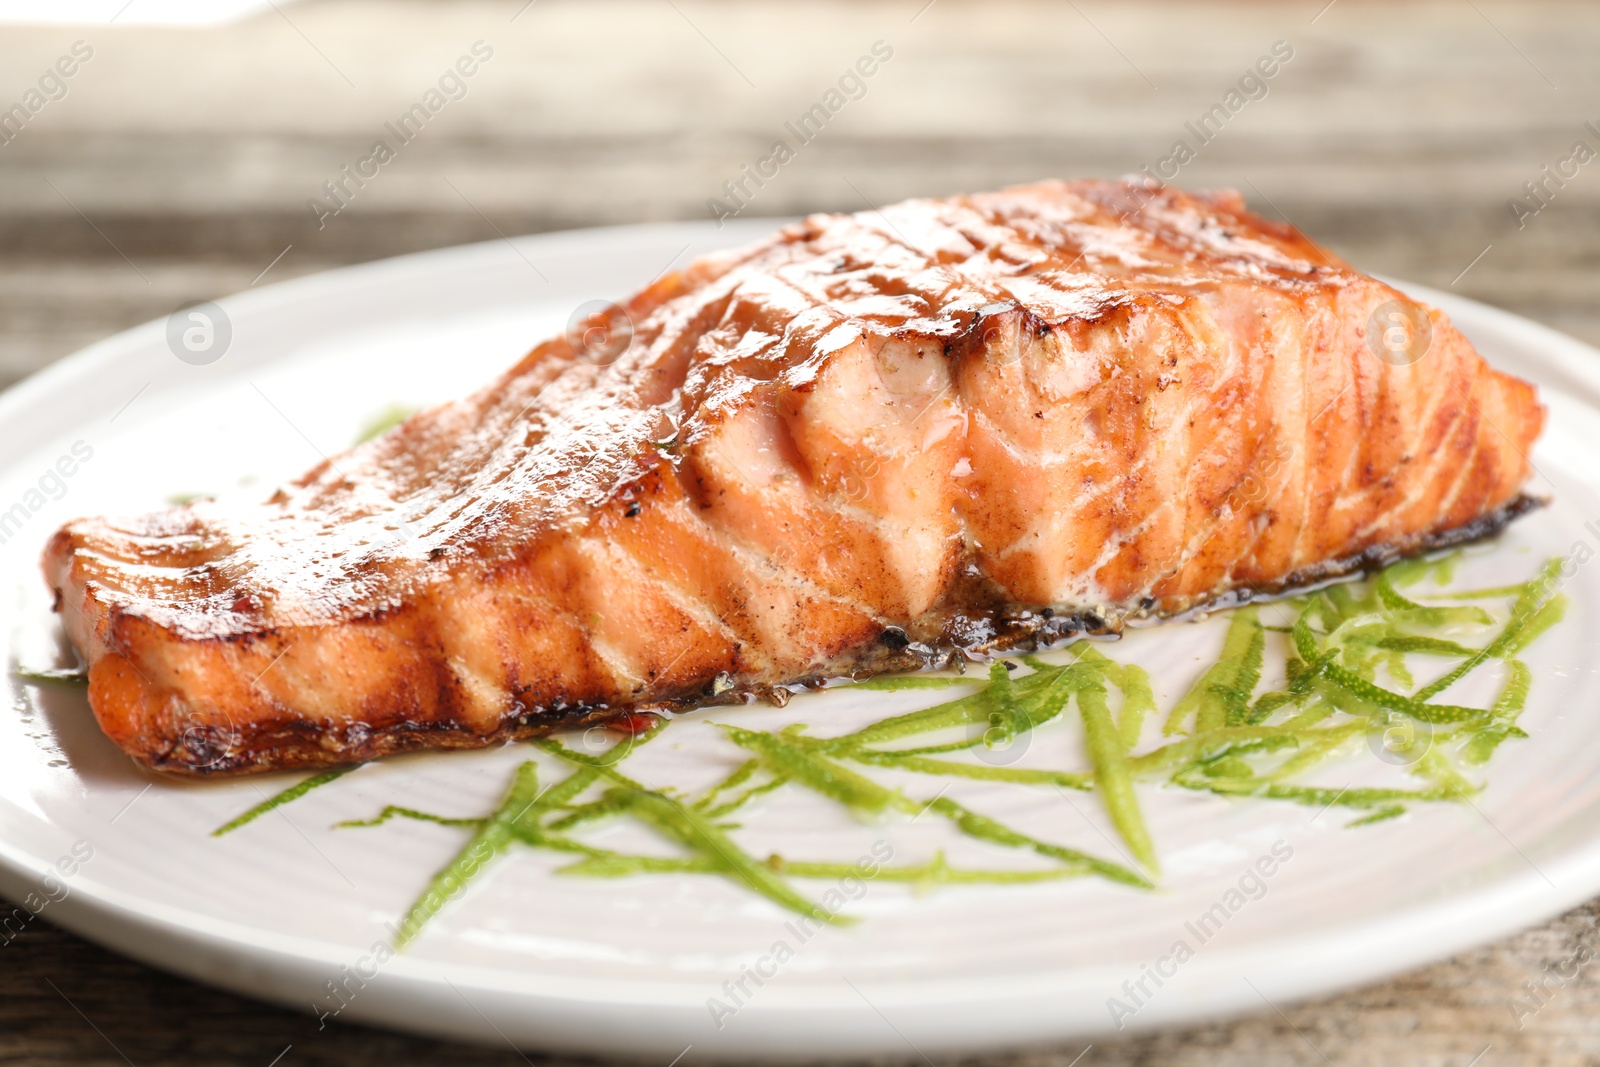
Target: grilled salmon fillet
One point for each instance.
(870, 442)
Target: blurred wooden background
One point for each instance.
(179, 164)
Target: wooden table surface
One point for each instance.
(179, 165)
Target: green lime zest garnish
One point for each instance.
(287, 796)
(53, 676)
(1346, 684)
(383, 422)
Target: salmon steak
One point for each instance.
(868, 443)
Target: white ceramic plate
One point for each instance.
(284, 906)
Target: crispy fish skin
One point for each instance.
(866, 443)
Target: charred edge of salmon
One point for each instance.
(1362, 563)
(938, 640)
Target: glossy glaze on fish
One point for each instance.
(867, 443)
